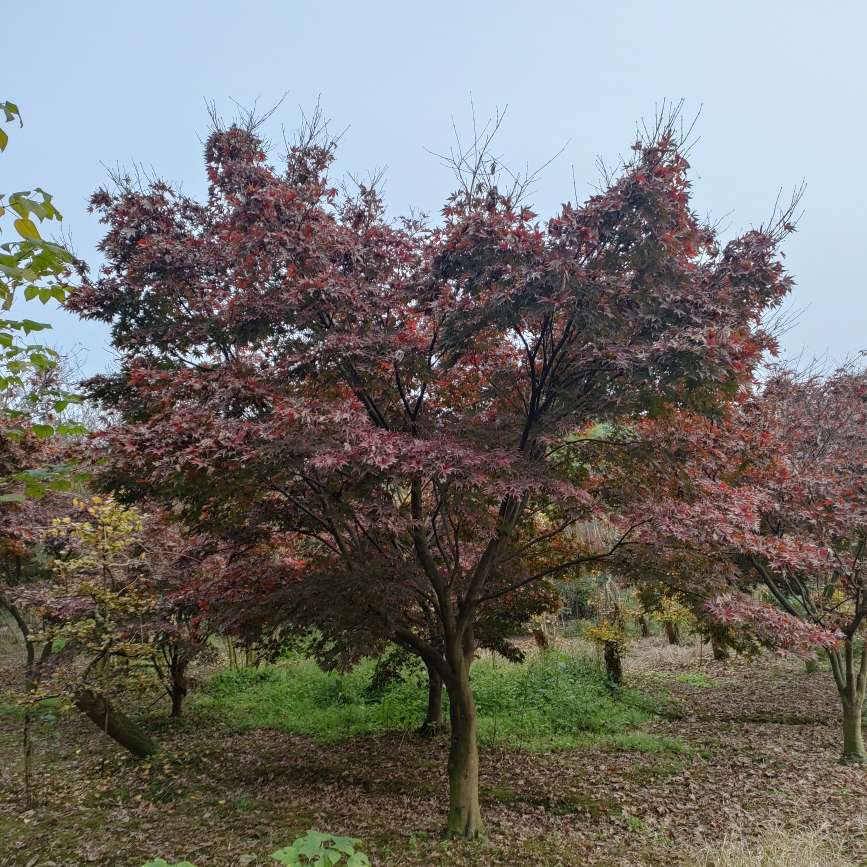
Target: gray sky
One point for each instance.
(781, 85)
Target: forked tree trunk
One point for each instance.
(643, 625)
(115, 723)
(851, 684)
(672, 631)
(433, 721)
(465, 817)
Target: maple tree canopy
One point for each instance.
(392, 406)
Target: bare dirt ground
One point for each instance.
(761, 747)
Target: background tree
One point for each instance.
(123, 592)
(407, 399)
(766, 510)
(609, 631)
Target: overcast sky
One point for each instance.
(781, 85)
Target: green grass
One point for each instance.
(696, 678)
(552, 701)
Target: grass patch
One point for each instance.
(695, 678)
(645, 742)
(551, 701)
(296, 696)
(569, 803)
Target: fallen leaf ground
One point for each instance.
(761, 746)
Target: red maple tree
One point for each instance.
(396, 401)
(763, 515)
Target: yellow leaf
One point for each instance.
(27, 229)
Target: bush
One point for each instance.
(314, 848)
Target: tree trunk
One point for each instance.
(644, 626)
(178, 694)
(851, 684)
(179, 688)
(433, 721)
(672, 630)
(720, 651)
(613, 664)
(465, 817)
(114, 723)
(541, 637)
(853, 736)
(29, 799)
(30, 682)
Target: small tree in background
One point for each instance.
(675, 618)
(122, 591)
(104, 601)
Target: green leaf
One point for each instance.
(11, 111)
(42, 430)
(4, 140)
(11, 271)
(345, 844)
(41, 361)
(12, 498)
(68, 429)
(29, 325)
(286, 855)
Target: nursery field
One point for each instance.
(695, 762)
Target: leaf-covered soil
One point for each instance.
(762, 742)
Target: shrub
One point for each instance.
(322, 850)
(314, 848)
